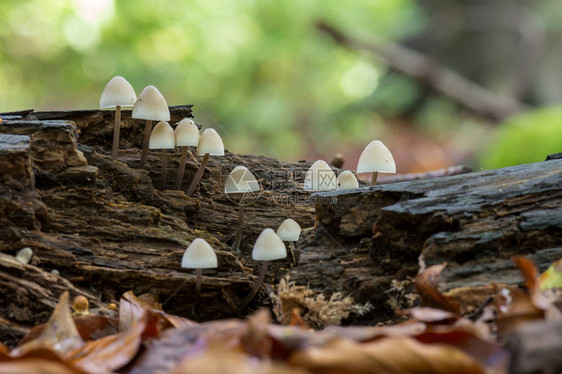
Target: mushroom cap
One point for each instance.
(151, 105)
(269, 247)
(162, 137)
(241, 180)
(118, 92)
(24, 255)
(187, 133)
(210, 142)
(376, 157)
(199, 255)
(289, 230)
(347, 181)
(320, 177)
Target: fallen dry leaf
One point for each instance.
(256, 339)
(528, 271)
(92, 326)
(35, 366)
(427, 284)
(522, 310)
(132, 308)
(59, 334)
(431, 315)
(110, 352)
(388, 355)
(233, 360)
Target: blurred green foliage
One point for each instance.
(525, 138)
(269, 82)
(258, 71)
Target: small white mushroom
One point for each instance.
(151, 106)
(376, 158)
(187, 135)
(24, 255)
(347, 181)
(320, 177)
(199, 255)
(117, 93)
(240, 181)
(210, 143)
(289, 231)
(162, 137)
(268, 247)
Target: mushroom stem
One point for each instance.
(181, 170)
(238, 237)
(164, 168)
(144, 154)
(194, 307)
(256, 287)
(116, 130)
(198, 175)
(374, 178)
(292, 247)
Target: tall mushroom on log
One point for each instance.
(289, 231)
(150, 106)
(199, 255)
(163, 137)
(268, 247)
(240, 181)
(376, 158)
(210, 143)
(117, 93)
(320, 177)
(187, 134)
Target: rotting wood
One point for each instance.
(107, 227)
(368, 238)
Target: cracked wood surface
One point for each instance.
(107, 228)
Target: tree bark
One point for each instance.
(107, 228)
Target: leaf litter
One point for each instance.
(436, 338)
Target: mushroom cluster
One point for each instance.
(152, 106)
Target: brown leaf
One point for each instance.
(387, 355)
(132, 308)
(427, 284)
(59, 334)
(35, 366)
(92, 326)
(256, 340)
(221, 358)
(528, 271)
(110, 352)
(431, 315)
(522, 310)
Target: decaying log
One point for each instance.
(107, 227)
(96, 126)
(367, 238)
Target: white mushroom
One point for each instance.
(150, 106)
(289, 231)
(187, 135)
(240, 181)
(162, 137)
(117, 93)
(210, 143)
(320, 177)
(199, 255)
(268, 247)
(376, 158)
(347, 181)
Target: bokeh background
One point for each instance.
(272, 82)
